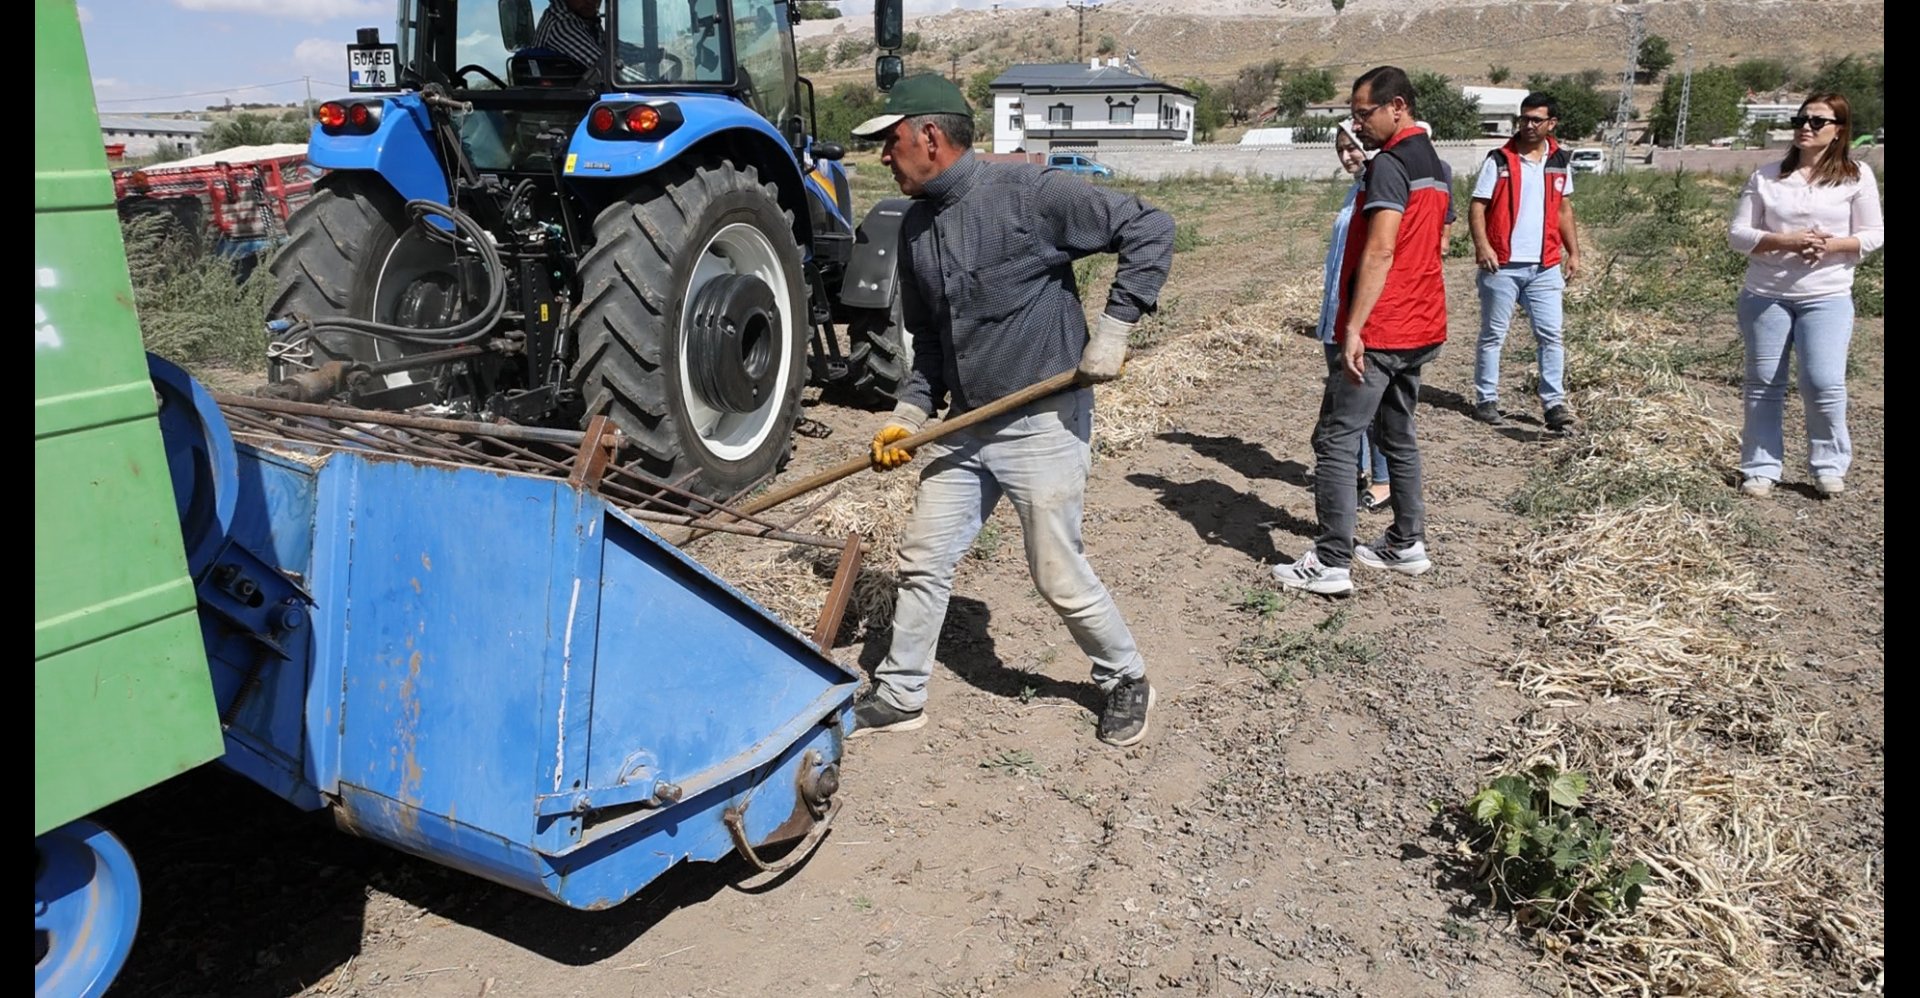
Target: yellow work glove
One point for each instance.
(904, 423)
(1106, 353)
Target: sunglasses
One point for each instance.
(1812, 121)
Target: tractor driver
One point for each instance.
(987, 293)
(572, 28)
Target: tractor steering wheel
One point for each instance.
(461, 75)
(669, 68)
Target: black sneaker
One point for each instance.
(1559, 419)
(1489, 413)
(871, 714)
(1124, 721)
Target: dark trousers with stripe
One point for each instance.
(1384, 400)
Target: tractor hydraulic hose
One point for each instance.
(465, 331)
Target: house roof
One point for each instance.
(143, 123)
(1074, 77)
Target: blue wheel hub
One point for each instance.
(86, 906)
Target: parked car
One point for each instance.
(1588, 161)
(1077, 163)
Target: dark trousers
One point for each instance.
(1383, 400)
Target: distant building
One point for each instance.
(1498, 107)
(140, 135)
(1040, 107)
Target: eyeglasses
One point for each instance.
(1535, 120)
(1365, 113)
(1813, 121)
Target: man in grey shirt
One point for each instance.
(988, 294)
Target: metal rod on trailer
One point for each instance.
(1032, 393)
(499, 431)
(744, 530)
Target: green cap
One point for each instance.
(927, 93)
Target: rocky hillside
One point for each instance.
(1211, 39)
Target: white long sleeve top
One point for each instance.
(1772, 203)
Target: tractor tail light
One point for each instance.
(331, 115)
(645, 122)
(363, 117)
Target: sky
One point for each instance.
(151, 56)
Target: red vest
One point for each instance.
(1412, 310)
(1505, 206)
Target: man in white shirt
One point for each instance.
(1526, 245)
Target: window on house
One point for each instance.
(1120, 114)
(1169, 116)
(1060, 114)
(1013, 121)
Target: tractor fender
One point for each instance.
(399, 150)
(707, 121)
(876, 256)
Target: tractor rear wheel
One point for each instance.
(692, 327)
(880, 354)
(351, 252)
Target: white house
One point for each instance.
(1498, 107)
(1040, 107)
(139, 135)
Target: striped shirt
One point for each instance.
(569, 34)
(986, 276)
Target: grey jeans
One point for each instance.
(1384, 400)
(1038, 458)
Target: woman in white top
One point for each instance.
(1803, 223)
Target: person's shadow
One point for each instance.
(1223, 515)
(966, 648)
(1520, 427)
(1250, 459)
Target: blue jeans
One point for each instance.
(1038, 457)
(1542, 289)
(1370, 453)
(1819, 331)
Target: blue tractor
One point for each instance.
(519, 226)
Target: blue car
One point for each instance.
(1076, 163)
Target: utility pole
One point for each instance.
(1079, 8)
(1686, 101)
(309, 80)
(954, 72)
(1636, 30)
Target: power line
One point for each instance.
(203, 93)
(1686, 100)
(1080, 8)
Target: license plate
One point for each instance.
(373, 67)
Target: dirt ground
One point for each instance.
(1273, 835)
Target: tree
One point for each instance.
(1439, 103)
(1655, 56)
(910, 42)
(1252, 88)
(249, 129)
(1713, 112)
(1339, 5)
(1582, 107)
(1208, 112)
(1498, 74)
(1762, 75)
(1302, 87)
(848, 105)
(980, 86)
(816, 11)
(1106, 46)
(851, 49)
(813, 59)
(1863, 81)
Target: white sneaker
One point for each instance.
(1829, 485)
(1409, 560)
(1759, 488)
(1310, 575)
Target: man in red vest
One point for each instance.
(1526, 245)
(1391, 321)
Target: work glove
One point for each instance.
(904, 422)
(1106, 353)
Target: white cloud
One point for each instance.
(106, 83)
(86, 16)
(301, 10)
(324, 59)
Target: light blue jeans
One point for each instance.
(1370, 453)
(1038, 457)
(1820, 332)
(1542, 289)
